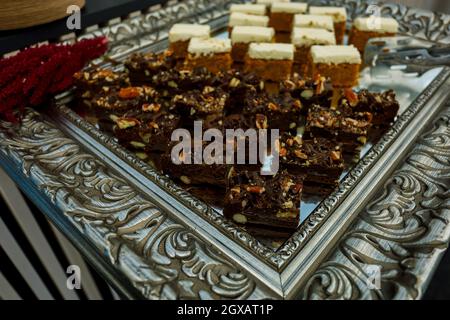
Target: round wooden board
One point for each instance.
(17, 14)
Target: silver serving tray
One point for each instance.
(169, 244)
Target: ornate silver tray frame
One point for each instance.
(154, 240)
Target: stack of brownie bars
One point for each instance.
(322, 123)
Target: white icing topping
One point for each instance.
(339, 14)
(289, 7)
(271, 51)
(306, 37)
(256, 9)
(246, 34)
(199, 46)
(184, 32)
(313, 21)
(335, 54)
(243, 19)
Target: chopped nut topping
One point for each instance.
(234, 82)
(288, 205)
(307, 94)
(272, 106)
(261, 121)
(351, 96)
(151, 107)
(185, 180)
(300, 155)
(129, 93)
(240, 218)
(208, 89)
(255, 189)
(297, 188)
(125, 123)
(335, 155)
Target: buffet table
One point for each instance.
(380, 235)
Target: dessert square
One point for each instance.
(143, 66)
(243, 19)
(313, 21)
(270, 61)
(339, 63)
(282, 15)
(242, 36)
(339, 15)
(188, 172)
(350, 130)
(147, 130)
(319, 159)
(181, 33)
(212, 54)
(371, 27)
(249, 8)
(116, 101)
(272, 201)
(199, 102)
(383, 106)
(303, 39)
(88, 83)
(279, 111)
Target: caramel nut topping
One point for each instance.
(335, 155)
(261, 121)
(151, 107)
(300, 154)
(124, 123)
(255, 189)
(129, 93)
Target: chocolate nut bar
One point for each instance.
(272, 201)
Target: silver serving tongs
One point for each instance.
(406, 51)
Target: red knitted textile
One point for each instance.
(37, 73)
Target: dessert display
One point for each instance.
(282, 15)
(212, 54)
(340, 63)
(371, 27)
(244, 19)
(242, 36)
(181, 33)
(303, 39)
(303, 89)
(339, 15)
(270, 61)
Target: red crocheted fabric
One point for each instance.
(35, 74)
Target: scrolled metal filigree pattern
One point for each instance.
(402, 231)
(177, 263)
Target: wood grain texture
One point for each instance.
(17, 14)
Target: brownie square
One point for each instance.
(90, 82)
(272, 201)
(149, 130)
(193, 173)
(383, 106)
(273, 112)
(200, 102)
(350, 130)
(142, 67)
(319, 159)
